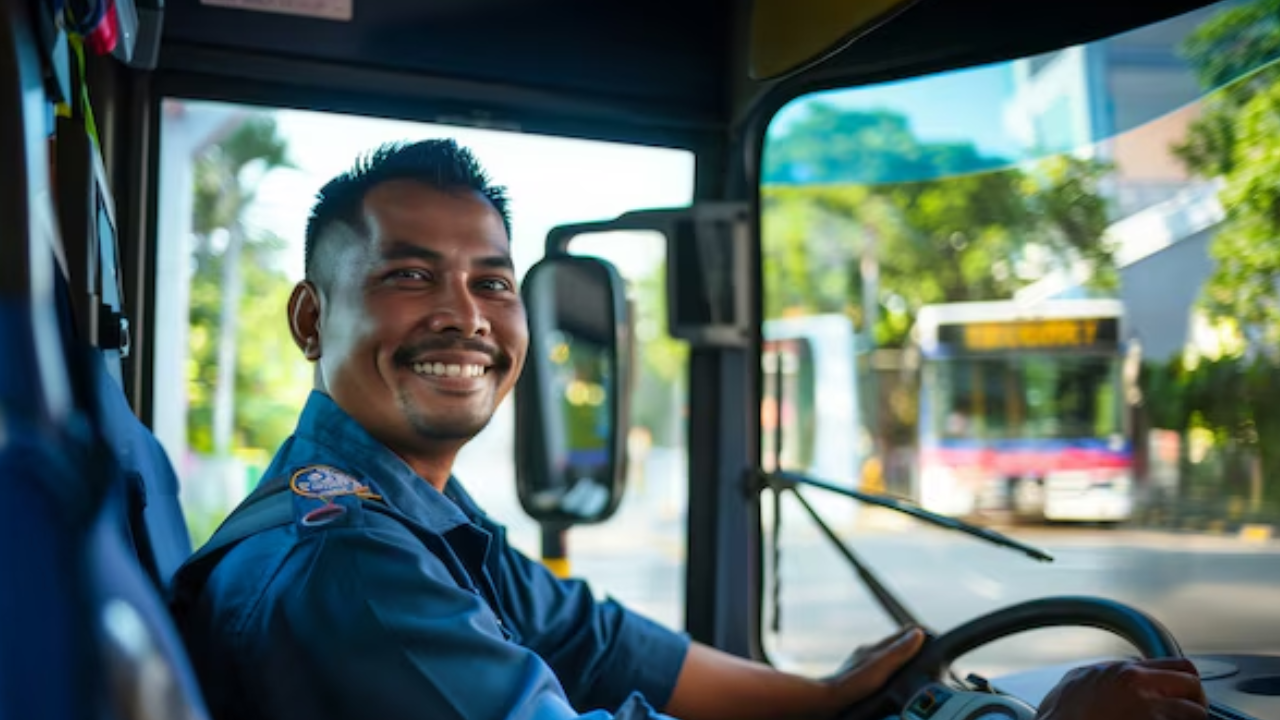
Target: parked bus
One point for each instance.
(1022, 410)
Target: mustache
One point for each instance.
(408, 354)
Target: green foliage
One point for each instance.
(1234, 43)
(1231, 398)
(271, 380)
(971, 237)
(832, 145)
(1237, 139)
(658, 397)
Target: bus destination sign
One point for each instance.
(1051, 334)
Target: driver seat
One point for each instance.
(89, 635)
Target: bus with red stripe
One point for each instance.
(1023, 410)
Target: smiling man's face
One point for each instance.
(421, 331)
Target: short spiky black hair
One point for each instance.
(439, 164)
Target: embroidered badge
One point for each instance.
(325, 483)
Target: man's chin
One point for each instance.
(437, 416)
(447, 433)
(443, 427)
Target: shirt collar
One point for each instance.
(329, 435)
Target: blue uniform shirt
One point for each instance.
(403, 603)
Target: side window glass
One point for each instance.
(647, 535)
(237, 183)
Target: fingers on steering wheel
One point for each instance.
(892, 639)
(1171, 681)
(886, 659)
(1179, 664)
(864, 653)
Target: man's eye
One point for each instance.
(409, 275)
(494, 285)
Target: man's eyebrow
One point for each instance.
(403, 250)
(496, 262)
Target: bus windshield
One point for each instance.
(1024, 398)
(1040, 296)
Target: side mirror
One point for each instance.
(572, 410)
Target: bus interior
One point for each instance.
(729, 216)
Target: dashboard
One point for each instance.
(1240, 687)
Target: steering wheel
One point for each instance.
(934, 660)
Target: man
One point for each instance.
(360, 581)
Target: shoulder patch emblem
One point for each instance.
(324, 483)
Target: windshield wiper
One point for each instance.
(783, 480)
(890, 602)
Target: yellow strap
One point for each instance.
(558, 566)
(63, 110)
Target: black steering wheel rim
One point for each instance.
(1148, 635)
(1145, 633)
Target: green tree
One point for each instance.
(829, 144)
(1236, 140)
(243, 382)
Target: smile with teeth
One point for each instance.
(440, 369)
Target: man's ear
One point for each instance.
(304, 319)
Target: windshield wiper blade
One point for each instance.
(897, 611)
(783, 479)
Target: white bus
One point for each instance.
(1023, 409)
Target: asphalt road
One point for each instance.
(1214, 594)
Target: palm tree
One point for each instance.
(224, 192)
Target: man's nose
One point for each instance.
(455, 309)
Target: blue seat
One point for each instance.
(156, 527)
(137, 539)
(91, 525)
(89, 522)
(42, 542)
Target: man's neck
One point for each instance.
(434, 465)
(431, 460)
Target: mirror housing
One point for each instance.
(572, 405)
(708, 257)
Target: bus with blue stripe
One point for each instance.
(1023, 410)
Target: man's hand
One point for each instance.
(716, 686)
(1142, 690)
(871, 667)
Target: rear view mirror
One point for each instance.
(571, 403)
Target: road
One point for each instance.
(1215, 593)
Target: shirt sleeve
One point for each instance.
(601, 651)
(364, 623)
